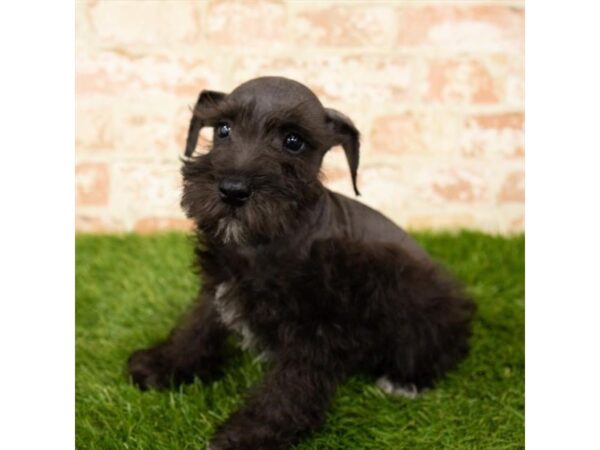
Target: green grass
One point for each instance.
(131, 290)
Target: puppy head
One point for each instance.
(262, 172)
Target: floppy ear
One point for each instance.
(206, 98)
(348, 137)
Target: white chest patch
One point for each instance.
(231, 316)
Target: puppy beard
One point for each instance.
(262, 220)
(276, 208)
(259, 222)
(230, 231)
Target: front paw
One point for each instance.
(150, 368)
(225, 442)
(248, 435)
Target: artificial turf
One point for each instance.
(130, 291)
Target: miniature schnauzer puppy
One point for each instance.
(320, 284)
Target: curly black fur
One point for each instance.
(324, 286)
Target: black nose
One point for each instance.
(234, 190)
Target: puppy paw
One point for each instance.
(397, 389)
(224, 442)
(149, 368)
(240, 432)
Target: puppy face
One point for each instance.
(270, 136)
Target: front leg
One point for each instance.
(290, 402)
(195, 348)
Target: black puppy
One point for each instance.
(322, 285)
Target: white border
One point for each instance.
(37, 233)
(563, 226)
(36, 239)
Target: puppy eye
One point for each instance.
(293, 143)
(223, 129)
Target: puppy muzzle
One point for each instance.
(235, 191)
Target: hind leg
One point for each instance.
(395, 374)
(397, 388)
(398, 379)
(427, 337)
(410, 361)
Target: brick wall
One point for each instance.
(435, 87)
